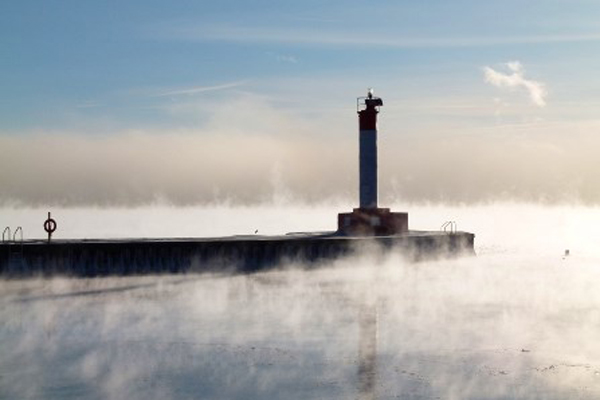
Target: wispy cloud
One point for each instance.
(283, 58)
(327, 37)
(201, 89)
(287, 59)
(515, 79)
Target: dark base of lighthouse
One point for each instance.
(372, 222)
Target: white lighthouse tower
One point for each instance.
(368, 218)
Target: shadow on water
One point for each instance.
(367, 352)
(110, 290)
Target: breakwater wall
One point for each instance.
(236, 254)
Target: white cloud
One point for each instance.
(201, 89)
(514, 79)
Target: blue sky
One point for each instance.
(460, 71)
(66, 63)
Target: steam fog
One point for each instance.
(519, 321)
(247, 152)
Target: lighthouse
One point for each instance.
(368, 219)
(367, 109)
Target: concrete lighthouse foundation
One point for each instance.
(369, 219)
(372, 222)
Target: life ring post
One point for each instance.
(49, 226)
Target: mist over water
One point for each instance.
(249, 152)
(519, 321)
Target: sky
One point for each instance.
(126, 103)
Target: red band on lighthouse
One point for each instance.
(367, 120)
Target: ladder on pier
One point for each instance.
(16, 261)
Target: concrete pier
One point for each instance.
(235, 254)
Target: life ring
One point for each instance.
(50, 225)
